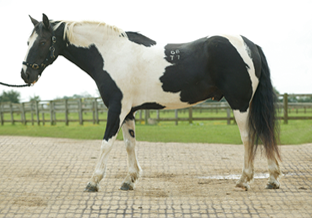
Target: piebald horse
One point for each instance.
(133, 72)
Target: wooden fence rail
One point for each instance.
(41, 112)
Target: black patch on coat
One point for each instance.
(207, 68)
(148, 106)
(140, 39)
(90, 60)
(131, 132)
(145, 106)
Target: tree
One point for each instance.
(34, 98)
(82, 95)
(10, 96)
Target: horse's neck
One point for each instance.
(87, 41)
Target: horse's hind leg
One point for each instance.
(134, 169)
(248, 167)
(275, 172)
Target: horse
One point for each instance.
(134, 72)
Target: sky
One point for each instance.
(282, 28)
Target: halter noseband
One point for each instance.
(49, 57)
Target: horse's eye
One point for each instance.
(42, 43)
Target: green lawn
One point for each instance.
(295, 132)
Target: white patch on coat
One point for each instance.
(135, 68)
(31, 42)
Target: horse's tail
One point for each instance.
(262, 118)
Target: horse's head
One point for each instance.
(41, 50)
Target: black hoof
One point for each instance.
(91, 188)
(126, 187)
(271, 186)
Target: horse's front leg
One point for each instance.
(134, 169)
(114, 120)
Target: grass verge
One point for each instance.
(295, 132)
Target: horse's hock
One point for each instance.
(43, 177)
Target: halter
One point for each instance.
(45, 62)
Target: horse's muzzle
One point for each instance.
(29, 77)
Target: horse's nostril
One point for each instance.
(27, 74)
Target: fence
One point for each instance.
(93, 110)
(289, 107)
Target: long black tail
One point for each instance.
(262, 119)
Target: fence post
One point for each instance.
(140, 115)
(190, 115)
(37, 113)
(146, 117)
(23, 117)
(66, 112)
(1, 115)
(11, 112)
(80, 111)
(51, 113)
(42, 113)
(93, 111)
(228, 115)
(176, 116)
(32, 112)
(285, 101)
(96, 111)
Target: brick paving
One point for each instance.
(45, 177)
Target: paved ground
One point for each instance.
(45, 177)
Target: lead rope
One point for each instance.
(16, 86)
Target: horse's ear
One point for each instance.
(46, 21)
(34, 21)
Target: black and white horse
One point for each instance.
(133, 72)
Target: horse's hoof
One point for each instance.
(245, 187)
(272, 186)
(91, 188)
(126, 187)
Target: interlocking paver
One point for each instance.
(45, 177)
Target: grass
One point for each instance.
(295, 132)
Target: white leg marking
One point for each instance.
(100, 168)
(134, 169)
(248, 167)
(275, 172)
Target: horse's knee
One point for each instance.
(105, 147)
(129, 145)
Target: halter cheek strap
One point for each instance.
(50, 56)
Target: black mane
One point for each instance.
(140, 39)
